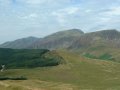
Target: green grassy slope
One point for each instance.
(79, 73)
(100, 53)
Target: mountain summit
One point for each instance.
(107, 38)
(58, 40)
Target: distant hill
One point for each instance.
(24, 58)
(19, 43)
(69, 39)
(58, 40)
(103, 45)
(107, 38)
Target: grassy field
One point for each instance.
(79, 73)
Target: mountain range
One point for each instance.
(70, 39)
(104, 44)
(62, 39)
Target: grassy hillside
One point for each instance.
(78, 73)
(100, 53)
(24, 58)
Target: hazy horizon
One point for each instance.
(39, 18)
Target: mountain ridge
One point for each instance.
(73, 38)
(104, 36)
(58, 40)
(23, 43)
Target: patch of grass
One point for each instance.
(105, 56)
(88, 55)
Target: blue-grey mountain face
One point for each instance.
(19, 43)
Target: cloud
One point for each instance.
(62, 14)
(70, 10)
(88, 11)
(113, 11)
(43, 2)
(33, 1)
(4, 2)
(30, 16)
(104, 19)
(60, 17)
(109, 16)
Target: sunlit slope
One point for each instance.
(79, 73)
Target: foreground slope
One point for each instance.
(78, 73)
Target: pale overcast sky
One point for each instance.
(22, 18)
